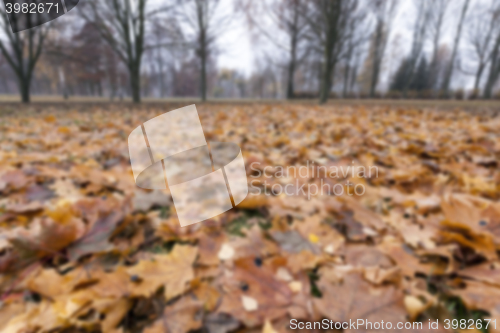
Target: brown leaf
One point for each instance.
(209, 246)
(488, 273)
(407, 261)
(480, 296)
(252, 293)
(96, 239)
(183, 316)
(145, 200)
(13, 180)
(45, 236)
(361, 300)
(173, 270)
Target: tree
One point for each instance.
(93, 66)
(206, 25)
(449, 70)
(400, 78)
(292, 23)
(480, 36)
(166, 34)
(421, 78)
(354, 38)
(22, 51)
(87, 52)
(122, 23)
(424, 9)
(384, 12)
(329, 22)
(158, 57)
(494, 72)
(436, 25)
(330, 17)
(288, 17)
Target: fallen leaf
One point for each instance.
(226, 252)
(183, 316)
(361, 301)
(249, 303)
(173, 270)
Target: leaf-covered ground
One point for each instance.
(82, 249)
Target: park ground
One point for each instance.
(82, 249)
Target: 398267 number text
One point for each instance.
(31, 8)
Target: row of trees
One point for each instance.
(482, 36)
(314, 47)
(125, 28)
(334, 33)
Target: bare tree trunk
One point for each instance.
(326, 74)
(122, 23)
(481, 41)
(347, 71)
(377, 59)
(411, 72)
(332, 13)
(201, 15)
(135, 82)
(494, 69)
(354, 72)
(294, 39)
(385, 12)
(24, 88)
(437, 37)
(290, 93)
(492, 78)
(418, 41)
(288, 15)
(160, 74)
(438, 20)
(449, 70)
(203, 74)
(22, 51)
(477, 79)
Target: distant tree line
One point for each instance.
(303, 49)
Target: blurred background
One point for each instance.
(267, 49)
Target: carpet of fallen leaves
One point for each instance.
(82, 249)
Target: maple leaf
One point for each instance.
(488, 273)
(97, 238)
(173, 270)
(254, 293)
(361, 300)
(46, 236)
(481, 296)
(181, 317)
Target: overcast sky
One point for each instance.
(238, 51)
(235, 45)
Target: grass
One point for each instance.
(238, 226)
(461, 314)
(39, 100)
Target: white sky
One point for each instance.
(238, 52)
(235, 47)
